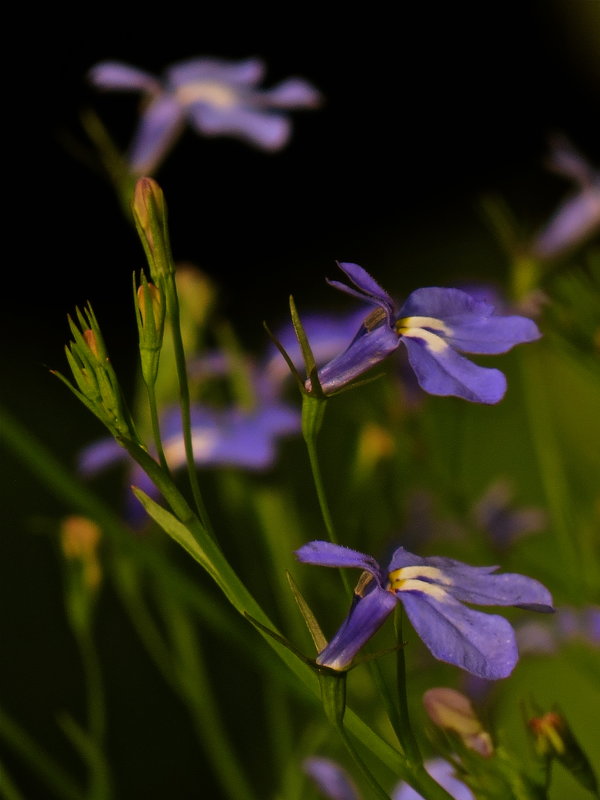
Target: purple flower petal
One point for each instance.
(366, 616)
(369, 289)
(368, 348)
(443, 772)
(330, 778)
(326, 554)
(467, 323)
(158, 128)
(119, 76)
(242, 73)
(100, 455)
(442, 371)
(292, 93)
(483, 644)
(266, 130)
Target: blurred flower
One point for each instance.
(220, 437)
(495, 513)
(80, 539)
(435, 325)
(578, 217)
(335, 783)
(568, 625)
(453, 711)
(331, 779)
(443, 772)
(432, 591)
(216, 97)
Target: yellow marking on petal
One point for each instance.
(433, 342)
(216, 94)
(410, 579)
(423, 322)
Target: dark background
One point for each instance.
(425, 112)
(427, 107)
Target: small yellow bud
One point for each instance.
(451, 710)
(80, 538)
(374, 445)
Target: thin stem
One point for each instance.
(184, 398)
(156, 427)
(195, 688)
(368, 775)
(38, 761)
(95, 688)
(405, 733)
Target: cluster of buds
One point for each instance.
(97, 384)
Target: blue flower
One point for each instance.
(577, 218)
(435, 325)
(331, 778)
(220, 437)
(216, 97)
(335, 783)
(432, 591)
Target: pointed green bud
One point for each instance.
(554, 739)
(150, 215)
(150, 315)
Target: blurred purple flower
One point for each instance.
(432, 591)
(577, 217)
(496, 514)
(435, 325)
(330, 778)
(216, 97)
(224, 437)
(444, 773)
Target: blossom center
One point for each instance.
(427, 580)
(212, 92)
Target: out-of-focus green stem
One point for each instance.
(195, 688)
(404, 732)
(38, 761)
(53, 474)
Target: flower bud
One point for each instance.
(553, 739)
(80, 538)
(452, 711)
(150, 215)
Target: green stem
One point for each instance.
(313, 411)
(405, 732)
(53, 474)
(40, 764)
(357, 758)
(95, 689)
(156, 427)
(195, 688)
(184, 397)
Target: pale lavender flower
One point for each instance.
(578, 216)
(214, 96)
(444, 773)
(330, 778)
(433, 591)
(220, 437)
(497, 515)
(435, 325)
